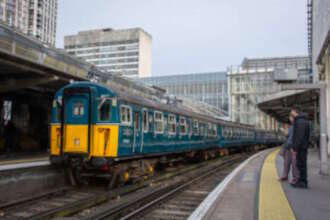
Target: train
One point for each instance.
(97, 130)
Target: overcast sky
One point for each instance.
(192, 36)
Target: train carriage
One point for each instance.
(94, 127)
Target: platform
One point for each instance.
(253, 191)
(19, 161)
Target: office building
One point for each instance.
(125, 52)
(210, 88)
(33, 17)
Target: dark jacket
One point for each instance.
(289, 140)
(301, 133)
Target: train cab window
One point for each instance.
(104, 110)
(183, 126)
(125, 115)
(78, 109)
(159, 122)
(195, 128)
(145, 124)
(171, 124)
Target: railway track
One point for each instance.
(174, 199)
(182, 201)
(99, 203)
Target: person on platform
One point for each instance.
(289, 159)
(300, 143)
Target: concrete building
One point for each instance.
(250, 83)
(124, 52)
(319, 45)
(37, 18)
(318, 38)
(210, 88)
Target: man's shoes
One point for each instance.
(283, 179)
(299, 185)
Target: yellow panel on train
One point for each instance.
(76, 139)
(55, 139)
(105, 140)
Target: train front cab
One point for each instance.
(84, 126)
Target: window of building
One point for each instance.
(159, 122)
(171, 124)
(195, 127)
(104, 110)
(125, 115)
(78, 109)
(183, 126)
(145, 124)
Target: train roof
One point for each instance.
(133, 97)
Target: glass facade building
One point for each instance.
(250, 83)
(210, 88)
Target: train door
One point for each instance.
(76, 121)
(137, 132)
(145, 128)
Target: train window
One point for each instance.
(159, 122)
(209, 129)
(165, 124)
(125, 115)
(183, 126)
(190, 127)
(150, 121)
(195, 129)
(78, 109)
(215, 132)
(137, 121)
(201, 130)
(145, 124)
(171, 124)
(104, 110)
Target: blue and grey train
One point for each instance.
(98, 129)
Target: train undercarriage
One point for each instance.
(81, 170)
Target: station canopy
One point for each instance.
(279, 105)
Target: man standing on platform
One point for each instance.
(301, 139)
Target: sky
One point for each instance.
(192, 36)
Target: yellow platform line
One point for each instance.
(273, 203)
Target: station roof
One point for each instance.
(279, 105)
(27, 64)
